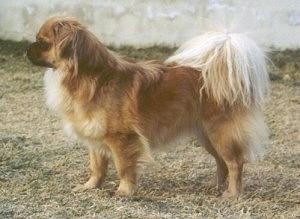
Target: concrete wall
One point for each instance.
(147, 22)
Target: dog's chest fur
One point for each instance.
(78, 121)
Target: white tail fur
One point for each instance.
(233, 67)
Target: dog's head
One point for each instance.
(62, 41)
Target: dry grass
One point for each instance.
(39, 166)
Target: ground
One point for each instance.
(39, 166)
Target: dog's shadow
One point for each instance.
(172, 186)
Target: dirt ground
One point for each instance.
(39, 166)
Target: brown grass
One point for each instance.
(39, 166)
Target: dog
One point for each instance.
(213, 87)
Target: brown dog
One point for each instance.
(212, 88)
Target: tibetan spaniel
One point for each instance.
(213, 87)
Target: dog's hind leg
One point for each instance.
(235, 168)
(230, 150)
(222, 170)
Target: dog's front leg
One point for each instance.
(98, 168)
(125, 150)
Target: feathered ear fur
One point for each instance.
(85, 51)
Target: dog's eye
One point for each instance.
(44, 45)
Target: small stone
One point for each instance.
(287, 77)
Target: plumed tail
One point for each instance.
(233, 68)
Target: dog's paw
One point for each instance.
(125, 189)
(83, 187)
(91, 184)
(230, 195)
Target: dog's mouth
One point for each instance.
(40, 62)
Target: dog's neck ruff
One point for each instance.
(53, 90)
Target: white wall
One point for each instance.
(142, 23)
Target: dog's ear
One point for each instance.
(57, 29)
(61, 29)
(64, 34)
(84, 50)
